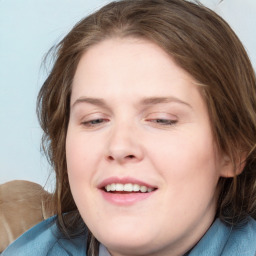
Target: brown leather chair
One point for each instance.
(23, 204)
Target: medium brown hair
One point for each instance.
(201, 43)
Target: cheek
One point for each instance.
(75, 157)
(82, 165)
(187, 160)
(80, 168)
(81, 154)
(190, 176)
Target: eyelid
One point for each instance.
(88, 119)
(94, 115)
(161, 119)
(161, 115)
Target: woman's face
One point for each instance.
(142, 163)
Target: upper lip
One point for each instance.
(124, 180)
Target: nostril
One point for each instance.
(120, 157)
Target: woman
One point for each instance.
(149, 119)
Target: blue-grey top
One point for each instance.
(45, 240)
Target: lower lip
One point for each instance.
(125, 199)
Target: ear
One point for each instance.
(229, 169)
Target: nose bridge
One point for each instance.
(123, 144)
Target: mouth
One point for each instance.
(125, 191)
(119, 188)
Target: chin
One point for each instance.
(127, 240)
(128, 245)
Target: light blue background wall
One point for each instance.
(28, 28)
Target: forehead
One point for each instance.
(130, 67)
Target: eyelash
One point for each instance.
(94, 122)
(162, 121)
(156, 121)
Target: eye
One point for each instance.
(94, 122)
(161, 121)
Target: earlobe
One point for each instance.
(231, 169)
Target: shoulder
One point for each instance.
(242, 240)
(45, 239)
(225, 240)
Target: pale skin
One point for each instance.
(136, 114)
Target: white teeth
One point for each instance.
(143, 189)
(119, 187)
(127, 187)
(113, 187)
(136, 187)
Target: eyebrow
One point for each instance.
(146, 101)
(159, 100)
(94, 101)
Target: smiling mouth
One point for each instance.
(118, 188)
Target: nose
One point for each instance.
(124, 145)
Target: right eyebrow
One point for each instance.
(94, 101)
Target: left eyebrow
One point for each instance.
(159, 100)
